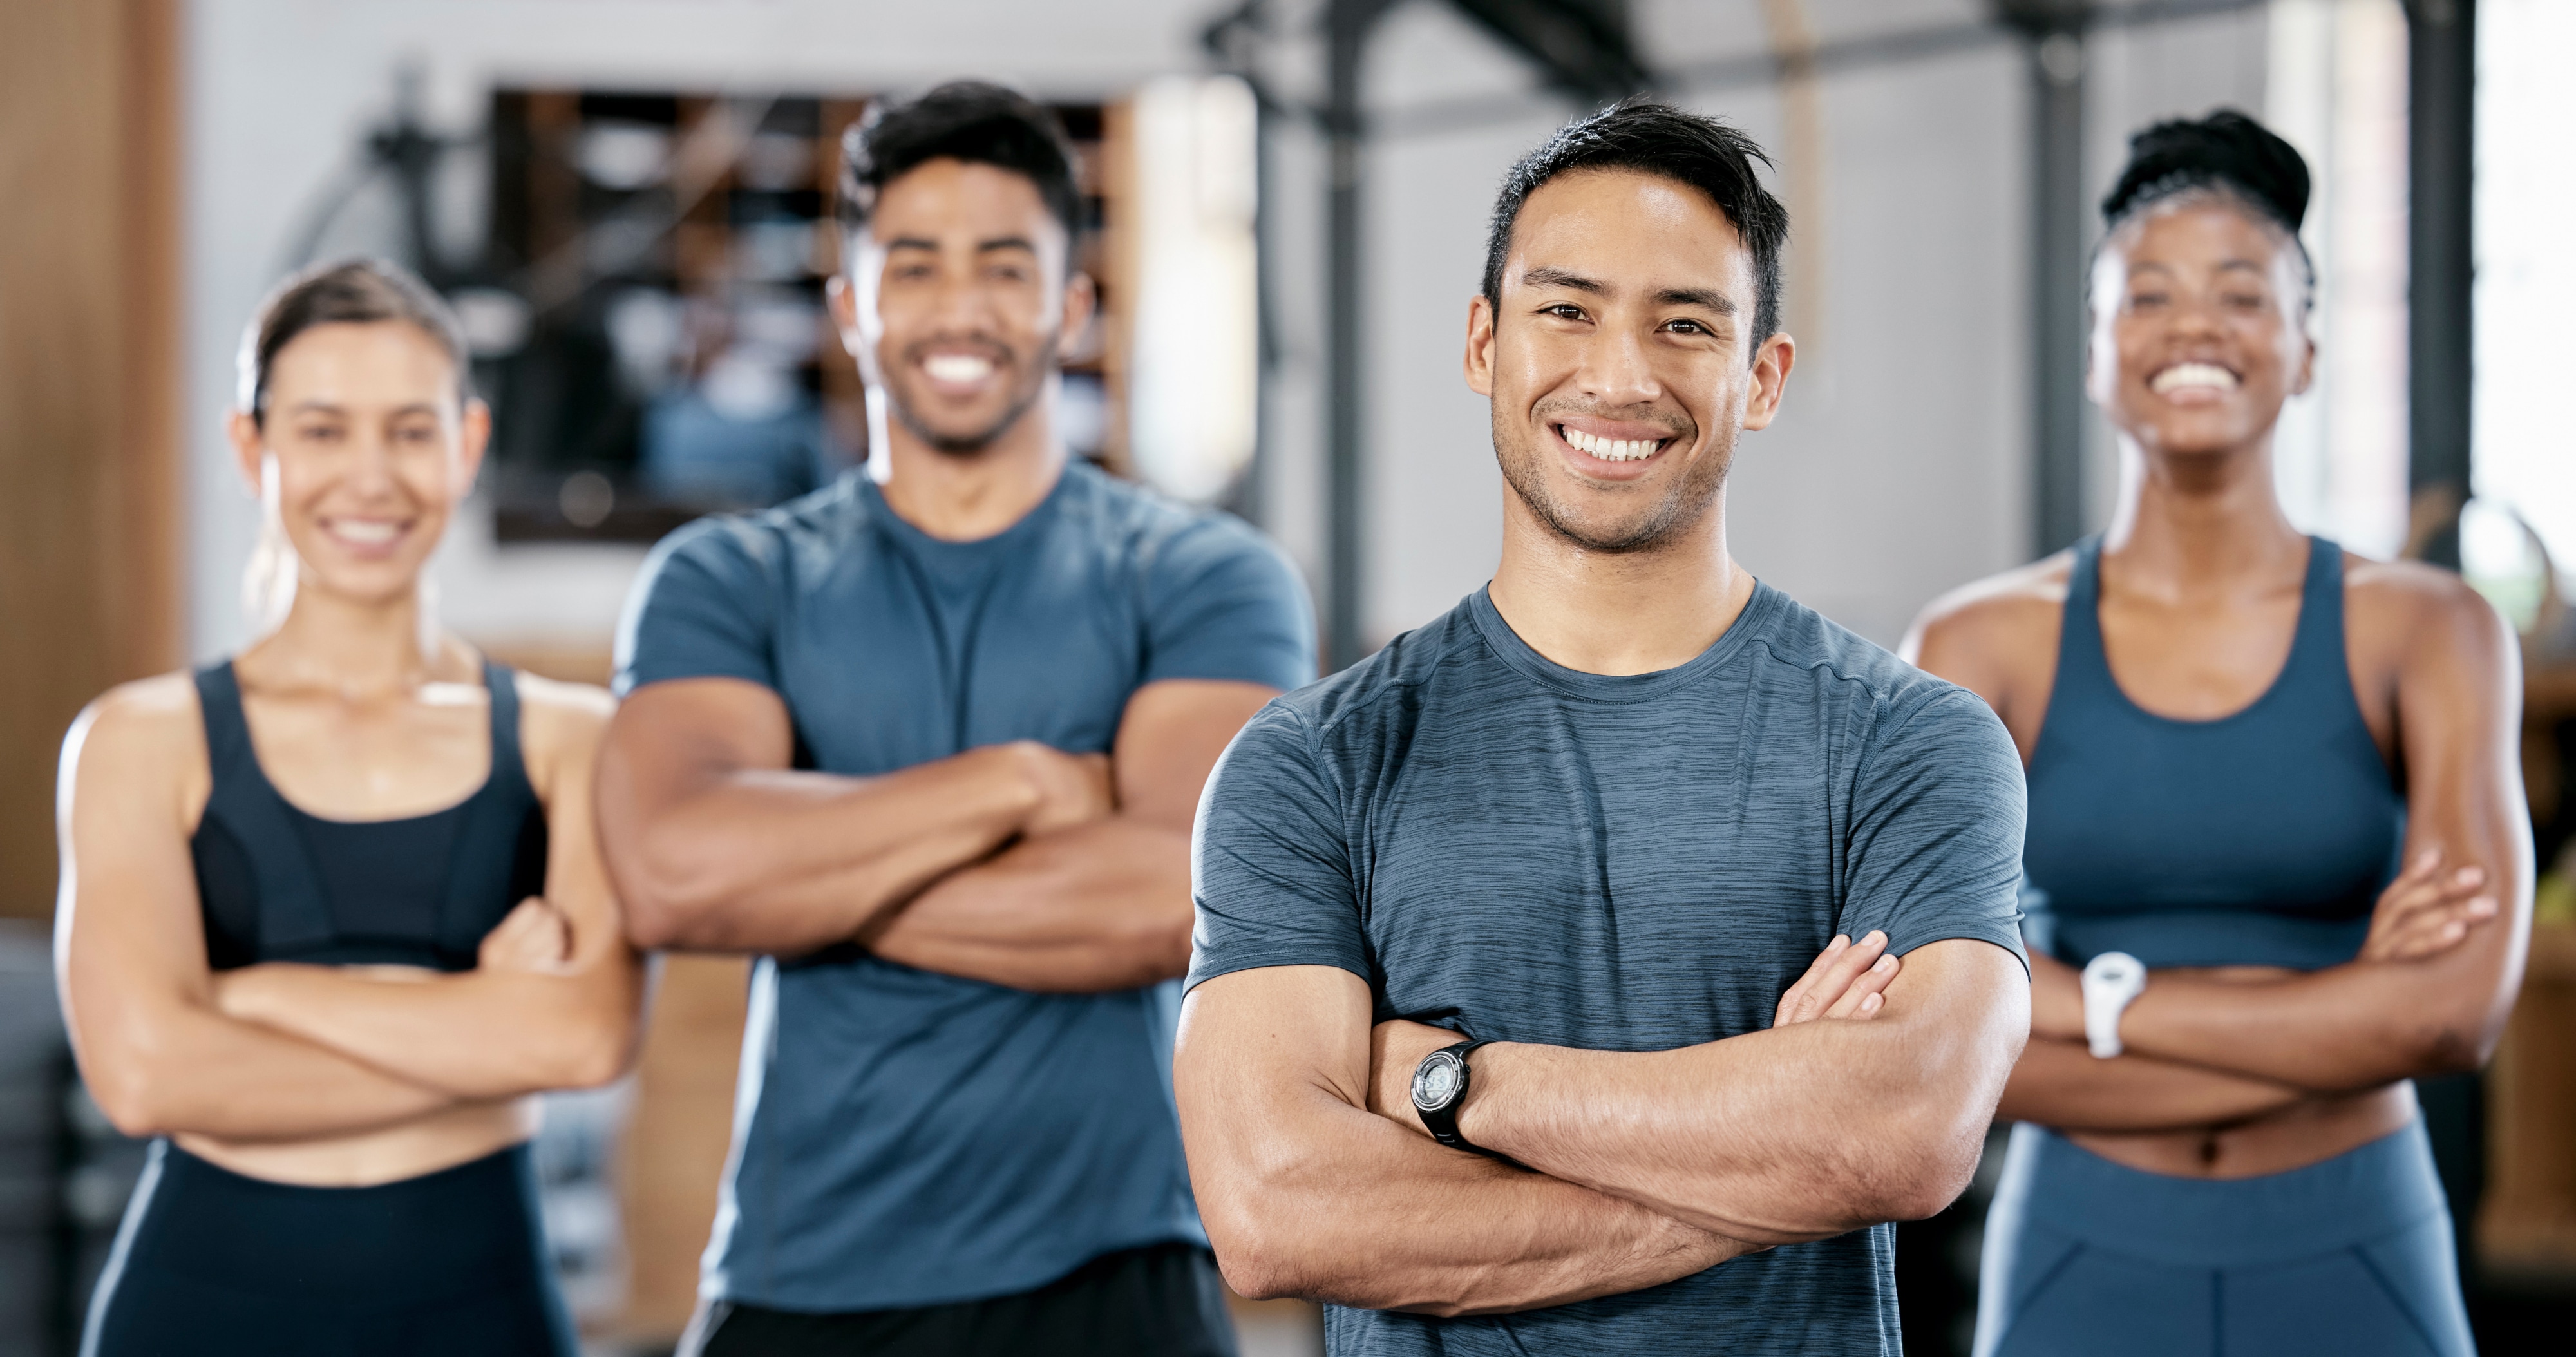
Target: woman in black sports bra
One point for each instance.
(331, 912)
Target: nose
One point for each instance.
(1617, 370)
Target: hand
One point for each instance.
(533, 938)
(2427, 911)
(2056, 999)
(1846, 980)
(1073, 789)
(1396, 1047)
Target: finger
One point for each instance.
(1868, 990)
(1838, 974)
(1834, 975)
(1789, 1001)
(2434, 934)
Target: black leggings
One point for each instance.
(1164, 1300)
(211, 1263)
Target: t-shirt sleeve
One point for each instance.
(701, 608)
(1223, 603)
(1935, 849)
(1270, 863)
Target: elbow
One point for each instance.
(130, 1104)
(1257, 1273)
(664, 893)
(1932, 1153)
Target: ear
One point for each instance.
(1081, 302)
(1771, 364)
(473, 435)
(1480, 346)
(2306, 373)
(249, 445)
(844, 306)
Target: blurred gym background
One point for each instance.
(627, 200)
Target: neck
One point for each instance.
(2202, 520)
(357, 647)
(1617, 613)
(964, 497)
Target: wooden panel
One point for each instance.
(2529, 1221)
(89, 286)
(674, 1149)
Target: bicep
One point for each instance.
(2459, 710)
(1255, 1045)
(1169, 740)
(133, 940)
(1962, 1007)
(576, 881)
(673, 738)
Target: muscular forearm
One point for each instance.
(787, 862)
(2339, 1030)
(191, 1069)
(1103, 906)
(2061, 1084)
(1345, 1206)
(1784, 1135)
(475, 1035)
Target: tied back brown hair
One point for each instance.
(345, 292)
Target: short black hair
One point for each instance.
(969, 120)
(1658, 139)
(2225, 155)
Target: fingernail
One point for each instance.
(1885, 963)
(2484, 904)
(1840, 942)
(1869, 1003)
(1876, 937)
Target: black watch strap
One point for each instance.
(1441, 1118)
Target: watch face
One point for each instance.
(1436, 1082)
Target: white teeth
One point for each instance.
(1611, 449)
(2203, 376)
(957, 367)
(372, 532)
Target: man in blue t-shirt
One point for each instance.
(929, 750)
(1512, 940)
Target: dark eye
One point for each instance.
(1688, 327)
(319, 433)
(2139, 300)
(1562, 311)
(417, 433)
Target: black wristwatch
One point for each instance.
(1439, 1085)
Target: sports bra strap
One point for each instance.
(292, 912)
(494, 819)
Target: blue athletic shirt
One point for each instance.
(1617, 863)
(904, 1138)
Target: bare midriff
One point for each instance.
(443, 1139)
(2310, 1131)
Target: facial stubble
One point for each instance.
(1685, 502)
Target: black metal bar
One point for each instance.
(1347, 27)
(2054, 38)
(2441, 68)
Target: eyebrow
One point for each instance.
(1701, 297)
(323, 407)
(981, 246)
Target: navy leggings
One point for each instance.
(2350, 1257)
(211, 1263)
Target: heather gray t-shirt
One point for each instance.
(1633, 863)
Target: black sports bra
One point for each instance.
(276, 883)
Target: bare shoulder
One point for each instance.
(2000, 614)
(2424, 609)
(143, 738)
(562, 718)
(146, 716)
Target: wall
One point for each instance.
(280, 91)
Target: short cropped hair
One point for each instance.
(345, 292)
(969, 120)
(1664, 141)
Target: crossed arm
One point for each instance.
(284, 1052)
(1315, 1179)
(1015, 864)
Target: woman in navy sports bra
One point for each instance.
(332, 911)
(2277, 861)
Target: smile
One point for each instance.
(1611, 449)
(2193, 377)
(365, 534)
(957, 369)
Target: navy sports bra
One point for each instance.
(278, 884)
(2262, 838)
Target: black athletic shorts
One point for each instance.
(1162, 1301)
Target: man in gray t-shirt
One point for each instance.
(1511, 939)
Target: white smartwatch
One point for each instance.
(2111, 980)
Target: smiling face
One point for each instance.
(2198, 327)
(1620, 361)
(958, 302)
(365, 449)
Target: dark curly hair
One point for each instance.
(2226, 155)
(969, 120)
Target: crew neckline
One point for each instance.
(1508, 646)
(911, 534)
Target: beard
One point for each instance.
(1027, 384)
(1681, 506)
